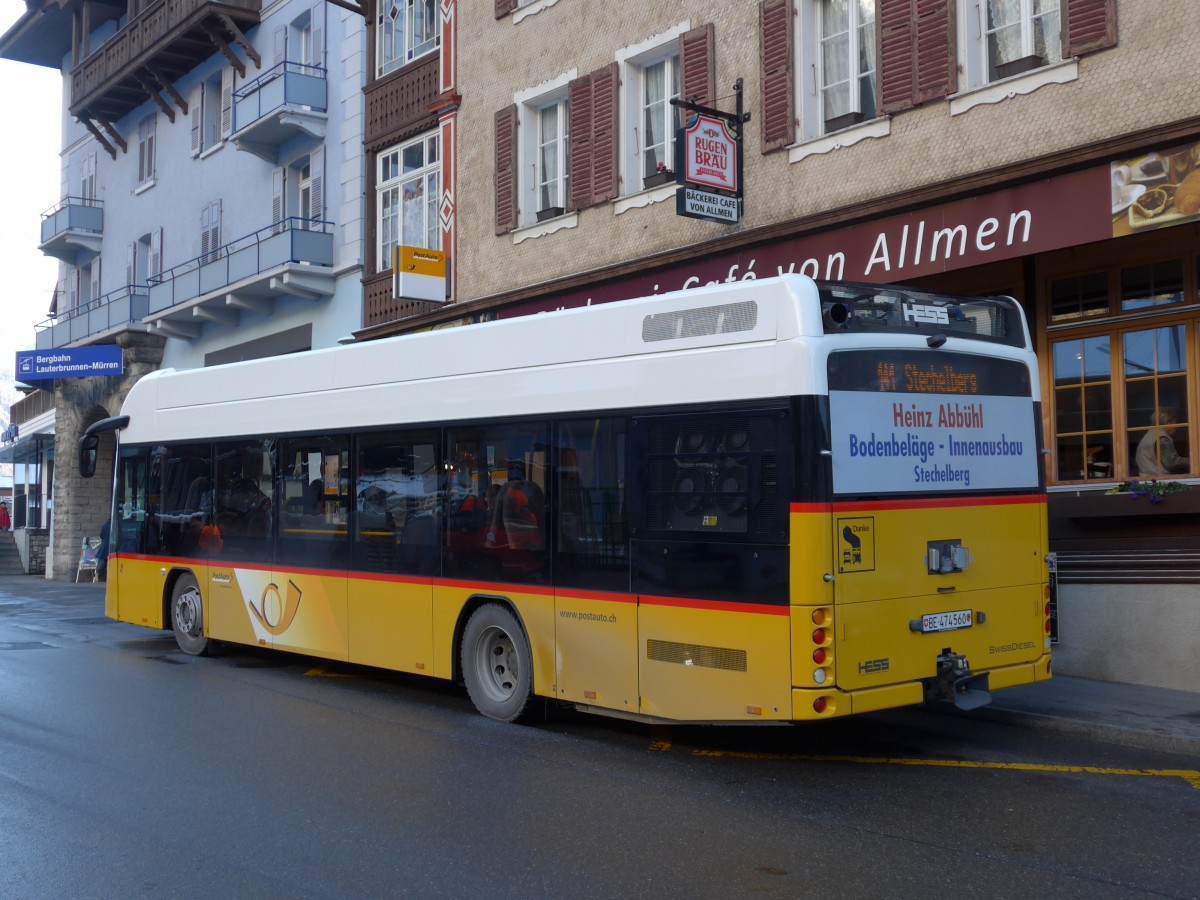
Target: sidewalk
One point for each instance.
(1132, 715)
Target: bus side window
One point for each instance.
(591, 533)
(398, 513)
(242, 505)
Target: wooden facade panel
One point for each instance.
(777, 68)
(1089, 25)
(398, 106)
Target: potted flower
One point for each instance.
(662, 176)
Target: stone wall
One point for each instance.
(1129, 633)
(81, 505)
(32, 544)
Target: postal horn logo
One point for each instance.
(273, 612)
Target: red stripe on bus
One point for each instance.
(598, 596)
(483, 586)
(918, 503)
(762, 609)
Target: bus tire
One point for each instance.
(497, 665)
(187, 616)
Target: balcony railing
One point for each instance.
(73, 227)
(31, 406)
(287, 100)
(121, 309)
(268, 263)
(168, 38)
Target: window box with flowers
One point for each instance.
(659, 178)
(1132, 498)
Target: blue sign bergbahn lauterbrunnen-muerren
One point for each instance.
(72, 362)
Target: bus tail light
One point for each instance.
(819, 705)
(819, 636)
(819, 656)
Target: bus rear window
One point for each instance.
(849, 307)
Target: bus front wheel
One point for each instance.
(497, 665)
(187, 616)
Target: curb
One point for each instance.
(1101, 731)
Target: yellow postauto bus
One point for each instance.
(768, 501)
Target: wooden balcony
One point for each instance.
(398, 106)
(143, 60)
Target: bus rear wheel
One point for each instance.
(497, 665)
(187, 616)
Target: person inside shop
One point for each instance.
(1156, 453)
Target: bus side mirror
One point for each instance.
(88, 446)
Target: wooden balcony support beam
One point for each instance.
(113, 133)
(152, 90)
(240, 39)
(170, 89)
(87, 123)
(226, 50)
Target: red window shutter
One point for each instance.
(506, 169)
(933, 44)
(776, 55)
(504, 7)
(579, 96)
(698, 64)
(1089, 25)
(605, 178)
(894, 34)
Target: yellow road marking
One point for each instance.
(322, 672)
(1191, 776)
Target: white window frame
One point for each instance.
(401, 49)
(530, 176)
(390, 182)
(146, 150)
(811, 81)
(210, 115)
(973, 40)
(633, 62)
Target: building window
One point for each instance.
(211, 111)
(407, 29)
(658, 85)
(211, 135)
(407, 193)
(553, 155)
(837, 75)
(210, 232)
(1013, 36)
(1121, 397)
(146, 129)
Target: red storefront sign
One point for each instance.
(1050, 214)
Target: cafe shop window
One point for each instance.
(1122, 406)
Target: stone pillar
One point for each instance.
(82, 505)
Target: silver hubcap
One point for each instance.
(187, 612)
(496, 660)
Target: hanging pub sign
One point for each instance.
(708, 162)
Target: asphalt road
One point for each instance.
(128, 769)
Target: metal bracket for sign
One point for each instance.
(735, 121)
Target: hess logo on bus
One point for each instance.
(921, 312)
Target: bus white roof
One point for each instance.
(724, 342)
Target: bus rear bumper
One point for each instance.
(837, 703)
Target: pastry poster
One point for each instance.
(1156, 189)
